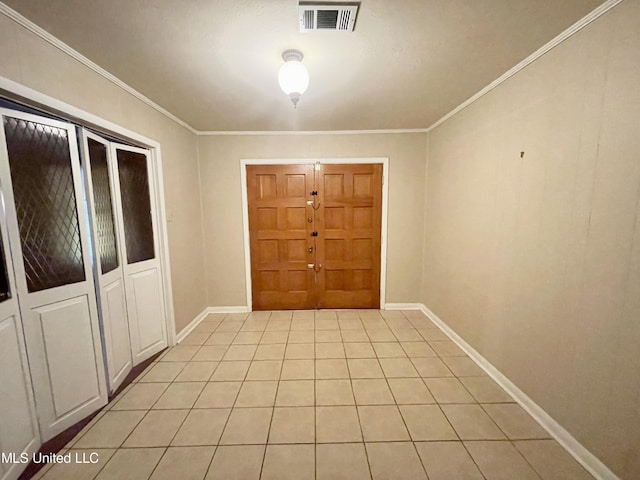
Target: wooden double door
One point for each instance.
(315, 234)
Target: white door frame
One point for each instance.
(33, 97)
(306, 161)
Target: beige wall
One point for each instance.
(536, 261)
(222, 205)
(27, 59)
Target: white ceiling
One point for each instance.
(214, 63)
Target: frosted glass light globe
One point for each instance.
(293, 77)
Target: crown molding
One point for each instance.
(59, 44)
(43, 34)
(310, 132)
(576, 27)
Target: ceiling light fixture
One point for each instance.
(293, 76)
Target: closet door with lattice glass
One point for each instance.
(108, 273)
(41, 185)
(137, 227)
(18, 425)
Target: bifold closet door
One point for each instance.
(108, 272)
(137, 227)
(18, 424)
(40, 176)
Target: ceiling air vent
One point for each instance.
(339, 17)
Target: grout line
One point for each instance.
(512, 440)
(437, 403)
(364, 443)
(215, 451)
(264, 453)
(404, 422)
(355, 404)
(166, 449)
(232, 406)
(306, 443)
(315, 403)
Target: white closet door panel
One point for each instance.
(108, 271)
(19, 431)
(137, 221)
(45, 214)
(117, 331)
(146, 297)
(67, 338)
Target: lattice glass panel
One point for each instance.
(136, 206)
(45, 200)
(105, 226)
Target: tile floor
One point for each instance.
(316, 395)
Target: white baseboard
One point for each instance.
(239, 309)
(203, 314)
(403, 306)
(193, 324)
(589, 461)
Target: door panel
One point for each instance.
(40, 174)
(280, 236)
(71, 368)
(349, 231)
(346, 213)
(137, 228)
(117, 332)
(108, 273)
(146, 290)
(18, 425)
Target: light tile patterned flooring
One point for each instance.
(316, 395)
